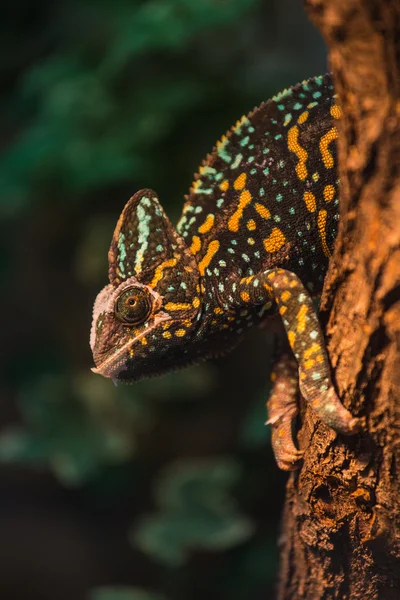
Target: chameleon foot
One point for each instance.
(331, 411)
(282, 409)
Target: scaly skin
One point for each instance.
(255, 237)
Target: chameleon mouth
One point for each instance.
(113, 365)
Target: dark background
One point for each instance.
(166, 489)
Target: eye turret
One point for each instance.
(133, 306)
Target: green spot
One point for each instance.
(262, 191)
(317, 95)
(237, 161)
(278, 136)
(222, 153)
(266, 171)
(279, 197)
(244, 141)
(287, 120)
(297, 106)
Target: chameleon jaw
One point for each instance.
(112, 366)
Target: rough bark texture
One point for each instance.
(341, 525)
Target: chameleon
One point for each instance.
(252, 246)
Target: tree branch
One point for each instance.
(341, 525)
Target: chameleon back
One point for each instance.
(268, 193)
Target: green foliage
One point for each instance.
(61, 432)
(98, 109)
(124, 593)
(196, 512)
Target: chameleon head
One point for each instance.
(145, 319)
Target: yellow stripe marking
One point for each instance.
(301, 153)
(301, 318)
(240, 181)
(251, 225)
(159, 272)
(262, 211)
(180, 332)
(329, 193)
(196, 302)
(196, 244)
(322, 215)
(211, 250)
(177, 306)
(208, 224)
(274, 241)
(326, 139)
(244, 200)
(310, 201)
(167, 335)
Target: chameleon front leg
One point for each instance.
(305, 338)
(282, 409)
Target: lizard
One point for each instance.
(253, 243)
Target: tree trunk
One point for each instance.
(341, 523)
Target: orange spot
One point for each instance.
(167, 335)
(301, 153)
(211, 250)
(180, 332)
(310, 201)
(245, 199)
(224, 185)
(274, 241)
(326, 139)
(240, 181)
(336, 111)
(322, 215)
(159, 272)
(251, 225)
(262, 211)
(208, 224)
(282, 310)
(218, 311)
(196, 244)
(177, 306)
(311, 350)
(303, 117)
(301, 318)
(292, 338)
(285, 295)
(196, 302)
(309, 363)
(245, 297)
(329, 193)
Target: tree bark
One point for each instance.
(341, 522)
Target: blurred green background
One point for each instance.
(165, 490)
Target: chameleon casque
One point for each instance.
(254, 240)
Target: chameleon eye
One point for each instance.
(133, 306)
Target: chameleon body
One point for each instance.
(254, 241)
